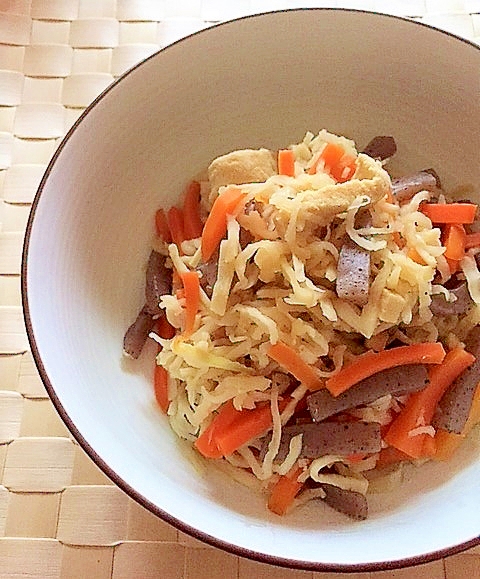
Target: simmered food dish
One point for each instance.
(317, 320)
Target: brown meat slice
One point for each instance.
(404, 188)
(340, 438)
(396, 381)
(440, 307)
(347, 502)
(454, 407)
(381, 147)
(353, 273)
(137, 334)
(158, 282)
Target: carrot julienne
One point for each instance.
(449, 212)
(291, 361)
(286, 162)
(191, 287)
(206, 443)
(160, 387)
(192, 221)
(372, 362)
(250, 424)
(455, 240)
(344, 171)
(340, 166)
(332, 154)
(229, 202)
(420, 406)
(453, 265)
(284, 492)
(175, 224)
(231, 428)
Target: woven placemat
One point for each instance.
(60, 517)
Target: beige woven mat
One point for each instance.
(59, 515)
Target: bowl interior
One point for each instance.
(258, 81)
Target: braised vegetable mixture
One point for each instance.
(317, 320)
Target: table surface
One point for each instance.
(60, 517)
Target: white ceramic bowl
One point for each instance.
(257, 81)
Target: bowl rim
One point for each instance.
(317, 566)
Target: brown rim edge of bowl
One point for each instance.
(108, 471)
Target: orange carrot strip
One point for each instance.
(249, 424)
(448, 442)
(175, 224)
(454, 238)
(191, 286)
(286, 162)
(332, 154)
(161, 226)
(206, 443)
(285, 491)
(397, 238)
(472, 240)
(160, 387)
(313, 168)
(291, 361)
(340, 166)
(454, 241)
(449, 212)
(227, 203)
(372, 362)
(191, 211)
(420, 406)
(343, 171)
(231, 428)
(453, 265)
